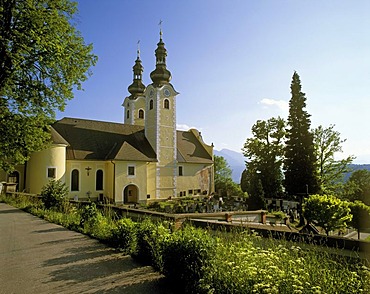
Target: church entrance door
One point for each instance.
(130, 194)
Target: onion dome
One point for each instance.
(161, 75)
(137, 87)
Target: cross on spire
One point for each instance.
(138, 49)
(160, 28)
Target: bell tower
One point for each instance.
(134, 105)
(160, 123)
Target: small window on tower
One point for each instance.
(180, 171)
(166, 104)
(141, 113)
(151, 104)
(128, 114)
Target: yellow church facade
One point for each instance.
(144, 158)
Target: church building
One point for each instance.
(143, 159)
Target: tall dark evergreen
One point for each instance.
(300, 160)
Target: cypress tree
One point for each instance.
(300, 160)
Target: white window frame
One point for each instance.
(128, 170)
(55, 172)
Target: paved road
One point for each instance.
(40, 257)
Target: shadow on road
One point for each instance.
(100, 269)
(9, 211)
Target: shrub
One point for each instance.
(54, 194)
(150, 240)
(327, 211)
(279, 215)
(93, 223)
(124, 235)
(186, 254)
(89, 214)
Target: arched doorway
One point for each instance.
(131, 194)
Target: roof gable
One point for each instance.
(96, 140)
(191, 149)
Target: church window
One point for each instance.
(128, 114)
(166, 104)
(75, 180)
(181, 171)
(131, 170)
(52, 171)
(151, 104)
(141, 113)
(99, 180)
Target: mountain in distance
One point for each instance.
(354, 167)
(236, 161)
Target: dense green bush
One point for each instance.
(95, 224)
(89, 214)
(186, 254)
(150, 241)
(327, 211)
(54, 194)
(124, 235)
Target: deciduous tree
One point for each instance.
(264, 153)
(43, 58)
(330, 171)
(252, 185)
(326, 211)
(358, 186)
(361, 216)
(223, 180)
(300, 158)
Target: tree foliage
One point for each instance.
(43, 58)
(264, 153)
(300, 158)
(252, 185)
(358, 186)
(53, 194)
(224, 185)
(361, 216)
(326, 211)
(330, 171)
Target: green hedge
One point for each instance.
(151, 239)
(186, 255)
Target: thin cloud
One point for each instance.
(281, 104)
(184, 127)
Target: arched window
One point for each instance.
(166, 104)
(75, 178)
(151, 104)
(99, 180)
(128, 114)
(141, 113)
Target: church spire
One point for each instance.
(161, 75)
(137, 87)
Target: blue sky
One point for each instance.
(232, 62)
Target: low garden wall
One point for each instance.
(249, 220)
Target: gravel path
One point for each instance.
(39, 257)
